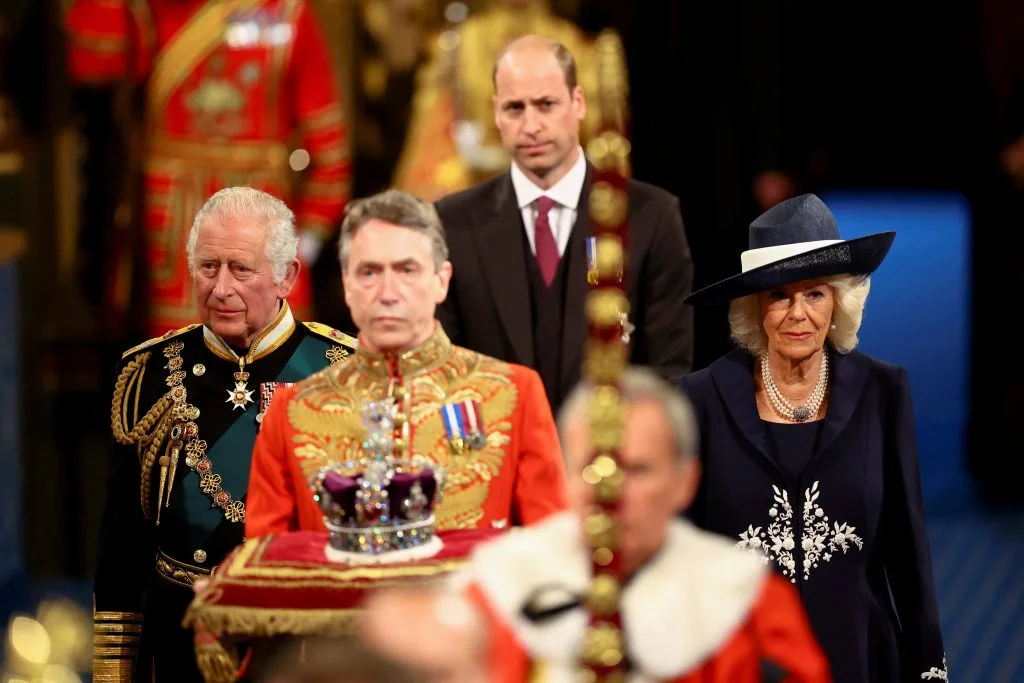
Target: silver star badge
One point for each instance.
(240, 396)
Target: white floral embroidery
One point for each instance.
(818, 541)
(935, 674)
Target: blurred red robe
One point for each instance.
(700, 611)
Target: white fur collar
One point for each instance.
(677, 611)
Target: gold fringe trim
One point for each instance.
(217, 662)
(265, 622)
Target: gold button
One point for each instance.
(199, 556)
(198, 369)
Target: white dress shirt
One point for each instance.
(566, 194)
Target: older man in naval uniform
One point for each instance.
(186, 410)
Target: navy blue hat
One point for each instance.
(796, 240)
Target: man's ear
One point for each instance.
(444, 275)
(285, 287)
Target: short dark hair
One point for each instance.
(562, 55)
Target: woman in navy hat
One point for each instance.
(809, 450)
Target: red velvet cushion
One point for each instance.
(284, 584)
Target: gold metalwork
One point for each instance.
(209, 483)
(121, 670)
(164, 460)
(336, 354)
(199, 556)
(178, 572)
(602, 645)
(599, 530)
(198, 369)
(605, 414)
(116, 617)
(608, 205)
(604, 361)
(603, 597)
(195, 448)
(606, 306)
(609, 152)
(609, 256)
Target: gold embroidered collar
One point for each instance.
(267, 341)
(427, 356)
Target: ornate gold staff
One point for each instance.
(605, 357)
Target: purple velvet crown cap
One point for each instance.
(342, 491)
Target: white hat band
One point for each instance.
(755, 258)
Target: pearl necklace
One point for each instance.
(784, 407)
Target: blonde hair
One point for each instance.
(851, 292)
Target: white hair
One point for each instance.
(641, 384)
(851, 292)
(282, 240)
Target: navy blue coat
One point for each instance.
(849, 531)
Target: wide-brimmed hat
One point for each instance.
(796, 240)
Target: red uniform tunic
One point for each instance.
(515, 477)
(231, 87)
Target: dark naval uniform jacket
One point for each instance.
(846, 524)
(185, 413)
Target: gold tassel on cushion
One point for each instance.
(218, 663)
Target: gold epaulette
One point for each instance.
(332, 335)
(157, 340)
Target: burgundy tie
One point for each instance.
(547, 249)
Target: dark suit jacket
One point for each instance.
(488, 304)
(854, 513)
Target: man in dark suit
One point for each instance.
(519, 242)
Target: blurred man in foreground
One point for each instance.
(693, 607)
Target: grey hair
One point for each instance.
(641, 384)
(851, 293)
(282, 240)
(398, 208)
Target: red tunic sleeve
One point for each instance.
(271, 505)
(541, 486)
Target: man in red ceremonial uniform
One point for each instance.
(693, 608)
(487, 423)
(229, 84)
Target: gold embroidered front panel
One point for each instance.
(326, 416)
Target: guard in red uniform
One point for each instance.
(230, 85)
(485, 422)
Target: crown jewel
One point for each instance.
(379, 508)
